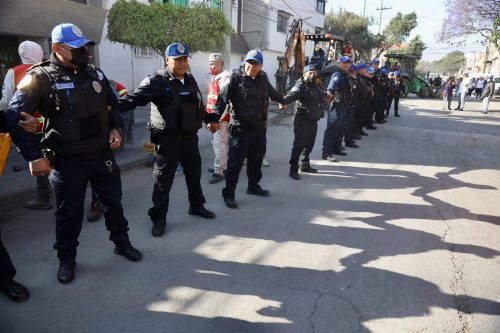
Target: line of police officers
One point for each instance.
(82, 121)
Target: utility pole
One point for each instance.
(382, 8)
(364, 9)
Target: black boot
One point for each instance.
(306, 167)
(294, 172)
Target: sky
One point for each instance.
(430, 15)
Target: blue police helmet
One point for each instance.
(370, 70)
(384, 71)
(255, 55)
(345, 59)
(360, 66)
(310, 67)
(375, 62)
(177, 50)
(397, 73)
(69, 34)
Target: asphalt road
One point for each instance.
(402, 235)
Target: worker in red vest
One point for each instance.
(31, 53)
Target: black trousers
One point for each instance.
(245, 142)
(388, 104)
(305, 131)
(396, 104)
(171, 151)
(349, 126)
(379, 107)
(69, 179)
(7, 270)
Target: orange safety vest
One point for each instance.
(19, 73)
(213, 93)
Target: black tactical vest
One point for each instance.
(182, 113)
(311, 102)
(77, 117)
(251, 104)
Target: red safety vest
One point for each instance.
(19, 73)
(213, 93)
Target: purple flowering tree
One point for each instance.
(467, 18)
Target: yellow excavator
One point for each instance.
(291, 63)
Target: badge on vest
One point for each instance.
(97, 87)
(62, 86)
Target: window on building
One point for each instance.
(320, 6)
(84, 2)
(145, 52)
(182, 3)
(217, 4)
(282, 22)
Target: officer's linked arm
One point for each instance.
(115, 120)
(147, 91)
(293, 94)
(26, 99)
(7, 89)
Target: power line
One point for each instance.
(382, 8)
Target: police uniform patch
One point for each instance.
(25, 82)
(97, 87)
(145, 82)
(294, 89)
(100, 75)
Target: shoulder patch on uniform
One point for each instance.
(145, 82)
(294, 89)
(100, 74)
(25, 82)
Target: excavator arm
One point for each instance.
(291, 63)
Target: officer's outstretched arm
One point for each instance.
(26, 99)
(148, 90)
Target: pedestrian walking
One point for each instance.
(488, 91)
(81, 126)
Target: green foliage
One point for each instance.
(452, 62)
(414, 47)
(396, 32)
(158, 25)
(449, 64)
(354, 28)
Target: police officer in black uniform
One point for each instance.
(8, 286)
(249, 92)
(177, 112)
(339, 89)
(81, 125)
(308, 110)
(351, 113)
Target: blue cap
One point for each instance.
(384, 71)
(361, 66)
(69, 34)
(397, 73)
(375, 61)
(255, 55)
(177, 50)
(310, 67)
(345, 59)
(352, 68)
(391, 73)
(370, 70)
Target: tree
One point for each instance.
(158, 25)
(452, 62)
(414, 47)
(396, 32)
(467, 18)
(354, 28)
